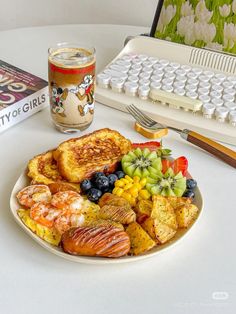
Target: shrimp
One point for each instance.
(68, 200)
(45, 214)
(67, 220)
(33, 194)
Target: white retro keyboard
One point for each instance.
(177, 85)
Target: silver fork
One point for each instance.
(218, 150)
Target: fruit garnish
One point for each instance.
(120, 174)
(152, 145)
(94, 194)
(85, 185)
(167, 184)
(141, 163)
(180, 164)
(102, 183)
(166, 163)
(189, 194)
(163, 152)
(191, 184)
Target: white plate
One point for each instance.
(14, 205)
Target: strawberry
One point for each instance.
(180, 164)
(152, 145)
(165, 165)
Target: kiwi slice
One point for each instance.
(168, 184)
(141, 163)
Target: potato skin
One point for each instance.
(96, 241)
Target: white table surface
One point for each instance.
(183, 279)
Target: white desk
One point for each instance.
(181, 280)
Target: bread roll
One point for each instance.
(96, 241)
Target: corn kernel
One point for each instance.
(114, 190)
(128, 186)
(133, 191)
(143, 182)
(144, 194)
(136, 179)
(125, 181)
(138, 186)
(127, 196)
(119, 191)
(119, 183)
(129, 178)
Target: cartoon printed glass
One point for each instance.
(71, 73)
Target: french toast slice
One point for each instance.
(79, 158)
(42, 169)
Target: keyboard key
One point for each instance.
(131, 88)
(167, 88)
(217, 102)
(230, 105)
(208, 110)
(143, 92)
(144, 82)
(232, 118)
(155, 86)
(228, 98)
(221, 114)
(133, 78)
(117, 84)
(103, 80)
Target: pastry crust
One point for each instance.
(96, 241)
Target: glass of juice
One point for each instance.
(71, 79)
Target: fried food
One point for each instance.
(96, 241)
(49, 235)
(140, 241)
(186, 214)
(158, 231)
(32, 194)
(42, 169)
(118, 214)
(163, 211)
(112, 199)
(162, 224)
(178, 201)
(79, 158)
(116, 208)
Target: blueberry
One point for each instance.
(189, 193)
(85, 185)
(94, 194)
(120, 174)
(97, 175)
(102, 183)
(191, 184)
(112, 179)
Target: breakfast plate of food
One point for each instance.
(100, 199)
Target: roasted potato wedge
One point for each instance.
(176, 202)
(186, 214)
(158, 231)
(140, 241)
(163, 211)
